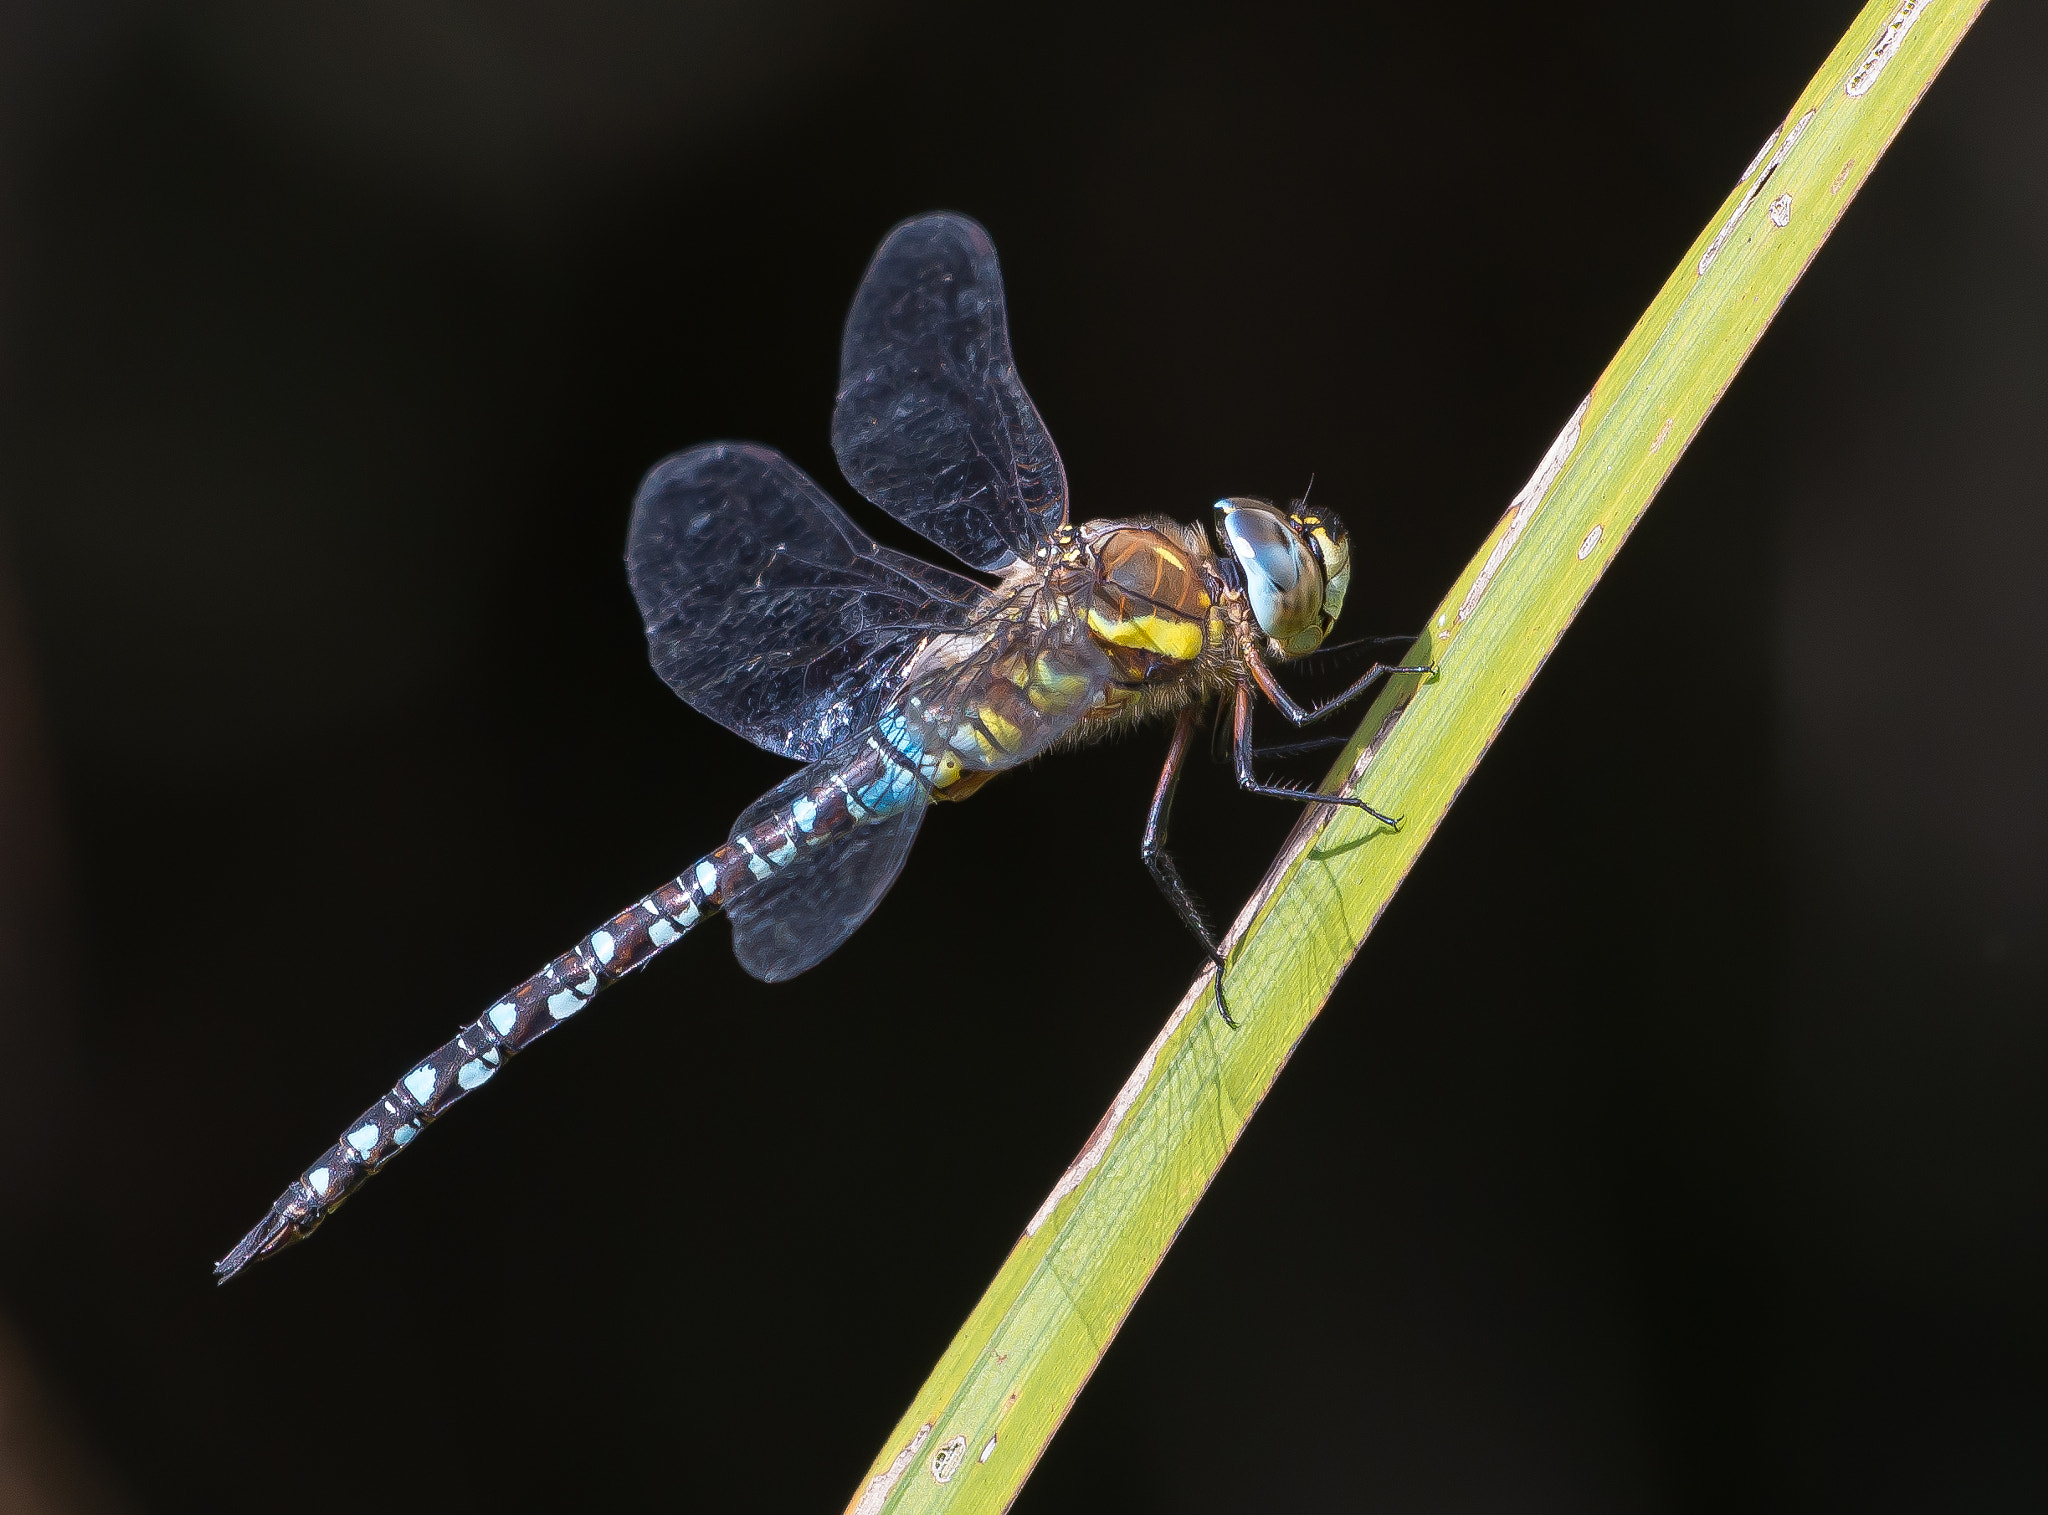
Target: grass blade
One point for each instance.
(995, 1399)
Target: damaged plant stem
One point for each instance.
(992, 1404)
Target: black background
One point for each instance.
(1680, 1140)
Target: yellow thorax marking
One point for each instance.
(1168, 635)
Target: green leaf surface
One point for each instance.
(990, 1407)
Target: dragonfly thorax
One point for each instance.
(1152, 605)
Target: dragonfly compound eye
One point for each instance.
(1283, 580)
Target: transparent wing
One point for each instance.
(798, 915)
(1004, 690)
(933, 424)
(767, 609)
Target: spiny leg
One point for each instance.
(1159, 862)
(1331, 649)
(1301, 715)
(1295, 749)
(1248, 780)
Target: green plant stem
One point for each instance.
(990, 1407)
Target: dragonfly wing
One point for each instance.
(797, 916)
(933, 424)
(767, 609)
(1020, 682)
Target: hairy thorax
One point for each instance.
(1151, 600)
(1156, 612)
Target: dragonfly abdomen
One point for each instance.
(870, 786)
(472, 1057)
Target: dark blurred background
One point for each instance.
(1680, 1142)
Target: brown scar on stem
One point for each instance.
(1662, 432)
(1522, 509)
(883, 1483)
(1885, 47)
(1112, 1118)
(1742, 206)
(1842, 177)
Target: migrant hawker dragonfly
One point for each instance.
(896, 681)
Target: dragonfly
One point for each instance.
(895, 681)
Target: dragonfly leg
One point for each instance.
(1295, 749)
(1159, 862)
(1302, 715)
(1248, 779)
(1330, 649)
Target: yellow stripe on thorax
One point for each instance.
(1168, 635)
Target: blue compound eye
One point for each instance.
(1282, 580)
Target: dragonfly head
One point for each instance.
(1296, 564)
